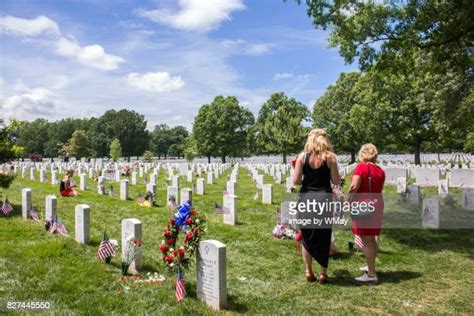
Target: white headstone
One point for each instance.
(210, 178)
(82, 226)
(427, 176)
(462, 178)
(151, 187)
(83, 182)
(430, 213)
(175, 182)
(211, 274)
(190, 176)
(25, 202)
(134, 178)
(230, 203)
(124, 190)
(54, 177)
(230, 187)
(200, 186)
(468, 199)
(171, 191)
(132, 227)
(186, 195)
(42, 175)
(401, 185)
(101, 185)
(392, 174)
(32, 174)
(267, 194)
(413, 193)
(51, 207)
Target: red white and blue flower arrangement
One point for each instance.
(188, 222)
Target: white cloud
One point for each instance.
(28, 104)
(92, 55)
(23, 27)
(195, 15)
(241, 46)
(155, 81)
(282, 75)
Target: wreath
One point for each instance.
(193, 226)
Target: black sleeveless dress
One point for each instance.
(317, 239)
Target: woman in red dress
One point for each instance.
(66, 188)
(368, 178)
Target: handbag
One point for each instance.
(363, 216)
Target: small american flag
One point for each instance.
(106, 249)
(58, 227)
(427, 216)
(172, 202)
(6, 207)
(180, 290)
(34, 214)
(255, 197)
(358, 242)
(226, 192)
(221, 209)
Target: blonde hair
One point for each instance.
(318, 143)
(368, 153)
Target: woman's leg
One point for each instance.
(370, 251)
(308, 261)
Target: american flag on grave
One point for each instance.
(6, 207)
(221, 209)
(172, 202)
(358, 242)
(34, 214)
(427, 216)
(255, 197)
(106, 248)
(180, 290)
(58, 227)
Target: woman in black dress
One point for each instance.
(315, 169)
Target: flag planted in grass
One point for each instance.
(221, 209)
(58, 227)
(6, 207)
(180, 290)
(106, 248)
(34, 214)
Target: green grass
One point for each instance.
(420, 271)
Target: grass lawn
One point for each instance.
(420, 271)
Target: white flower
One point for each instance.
(197, 221)
(171, 264)
(148, 273)
(171, 250)
(130, 238)
(114, 242)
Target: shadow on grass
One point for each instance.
(460, 240)
(344, 278)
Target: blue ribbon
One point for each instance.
(182, 213)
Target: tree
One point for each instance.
(190, 148)
(129, 127)
(333, 112)
(469, 145)
(221, 128)
(78, 145)
(148, 156)
(59, 132)
(161, 140)
(279, 128)
(115, 149)
(175, 150)
(33, 136)
(6, 154)
(375, 31)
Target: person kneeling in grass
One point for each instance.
(66, 187)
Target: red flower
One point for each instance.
(138, 243)
(167, 233)
(164, 258)
(170, 242)
(196, 232)
(168, 225)
(189, 236)
(193, 212)
(189, 221)
(172, 221)
(169, 258)
(181, 252)
(164, 248)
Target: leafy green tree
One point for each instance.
(78, 145)
(221, 128)
(175, 150)
(333, 112)
(115, 149)
(161, 140)
(148, 156)
(61, 131)
(7, 153)
(129, 127)
(376, 31)
(279, 128)
(469, 145)
(190, 148)
(33, 136)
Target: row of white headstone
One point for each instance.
(211, 274)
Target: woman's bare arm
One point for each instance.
(298, 176)
(335, 176)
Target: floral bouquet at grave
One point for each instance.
(132, 251)
(126, 171)
(282, 231)
(192, 225)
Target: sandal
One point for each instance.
(323, 278)
(310, 277)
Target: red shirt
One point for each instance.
(377, 174)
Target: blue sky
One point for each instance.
(163, 59)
